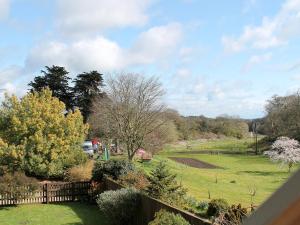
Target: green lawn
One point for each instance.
(238, 175)
(49, 214)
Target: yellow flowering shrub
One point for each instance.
(39, 136)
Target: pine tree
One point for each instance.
(163, 184)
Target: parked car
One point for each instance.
(88, 148)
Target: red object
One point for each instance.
(95, 141)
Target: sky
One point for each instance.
(212, 57)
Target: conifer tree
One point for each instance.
(163, 185)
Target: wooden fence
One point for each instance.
(51, 192)
(149, 206)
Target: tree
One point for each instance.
(283, 116)
(86, 89)
(163, 184)
(166, 133)
(37, 137)
(56, 78)
(131, 111)
(285, 150)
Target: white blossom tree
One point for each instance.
(285, 150)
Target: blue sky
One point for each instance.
(212, 57)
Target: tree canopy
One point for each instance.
(86, 89)
(57, 80)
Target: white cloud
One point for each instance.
(4, 9)
(9, 74)
(156, 44)
(81, 16)
(271, 32)
(100, 53)
(256, 59)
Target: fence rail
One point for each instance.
(51, 192)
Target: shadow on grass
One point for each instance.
(264, 173)
(89, 214)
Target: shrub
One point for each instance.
(119, 206)
(202, 206)
(166, 218)
(16, 186)
(136, 179)
(81, 172)
(216, 206)
(113, 168)
(233, 216)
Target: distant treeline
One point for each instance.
(193, 127)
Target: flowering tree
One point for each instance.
(285, 150)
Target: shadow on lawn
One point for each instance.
(264, 173)
(89, 214)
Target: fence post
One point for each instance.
(73, 192)
(47, 193)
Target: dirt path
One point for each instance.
(194, 163)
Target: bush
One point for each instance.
(81, 172)
(216, 206)
(38, 138)
(113, 168)
(166, 218)
(120, 206)
(16, 186)
(136, 179)
(202, 206)
(233, 216)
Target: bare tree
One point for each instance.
(132, 109)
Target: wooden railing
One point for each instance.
(51, 192)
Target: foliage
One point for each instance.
(233, 216)
(202, 206)
(283, 117)
(57, 80)
(113, 168)
(131, 111)
(216, 206)
(136, 179)
(119, 206)
(82, 172)
(163, 185)
(285, 150)
(86, 89)
(17, 185)
(37, 137)
(167, 218)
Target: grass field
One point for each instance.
(58, 214)
(238, 176)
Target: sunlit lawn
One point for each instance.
(239, 175)
(49, 214)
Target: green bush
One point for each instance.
(166, 218)
(113, 168)
(120, 206)
(16, 186)
(216, 206)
